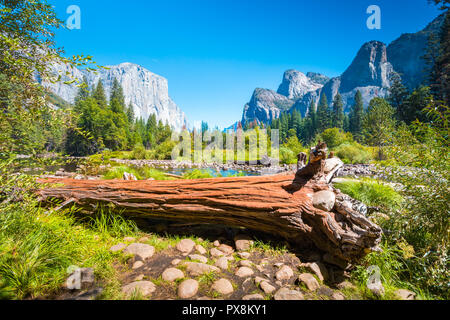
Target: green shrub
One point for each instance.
(139, 153)
(372, 192)
(334, 137)
(117, 173)
(354, 153)
(197, 174)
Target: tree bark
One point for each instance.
(280, 204)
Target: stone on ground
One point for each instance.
(216, 252)
(198, 257)
(145, 288)
(137, 264)
(244, 255)
(185, 245)
(245, 263)
(244, 272)
(223, 286)
(309, 280)
(287, 294)
(118, 247)
(404, 294)
(197, 268)
(255, 296)
(200, 249)
(222, 263)
(285, 273)
(172, 274)
(267, 287)
(226, 249)
(319, 270)
(187, 289)
(140, 250)
(242, 242)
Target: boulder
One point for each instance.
(285, 273)
(197, 268)
(185, 246)
(244, 272)
(309, 280)
(145, 288)
(140, 250)
(172, 274)
(187, 289)
(223, 286)
(287, 294)
(324, 200)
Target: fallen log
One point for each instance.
(305, 209)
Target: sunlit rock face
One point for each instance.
(370, 72)
(147, 92)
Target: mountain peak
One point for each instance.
(296, 84)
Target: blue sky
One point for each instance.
(214, 53)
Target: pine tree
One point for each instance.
(99, 94)
(338, 112)
(130, 114)
(83, 92)
(117, 99)
(356, 116)
(151, 131)
(323, 114)
(378, 122)
(440, 77)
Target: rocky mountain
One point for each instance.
(147, 92)
(370, 72)
(266, 105)
(406, 53)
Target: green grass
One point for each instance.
(143, 173)
(372, 192)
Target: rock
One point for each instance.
(204, 298)
(267, 287)
(216, 253)
(198, 257)
(137, 264)
(309, 280)
(258, 280)
(175, 262)
(404, 294)
(197, 268)
(287, 294)
(144, 239)
(244, 272)
(278, 264)
(345, 285)
(139, 277)
(243, 242)
(80, 278)
(200, 249)
(129, 239)
(216, 243)
(141, 250)
(149, 91)
(319, 270)
(337, 296)
(223, 286)
(172, 274)
(185, 245)
(78, 177)
(145, 288)
(324, 200)
(325, 291)
(255, 296)
(187, 289)
(244, 255)
(285, 273)
(129, 176)
(226, 249)
(245, 263)
(118, 247)
(222, 263)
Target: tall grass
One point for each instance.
(372, 192)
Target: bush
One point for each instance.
(139, 153)
(198, 174)
(372, 192)
(287, 155)
(354, 153)
(334, 137)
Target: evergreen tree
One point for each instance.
(117, 93)
(356, 116)
(338, 112)
(99, 94)
(378, 122)
(130, 114)
(323, 114)
(440, 77)
(151, 131)
(83, 91)
(412, 108)
(397, 92)
(346, 123)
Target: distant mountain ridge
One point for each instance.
(370, 72)
(147, 92)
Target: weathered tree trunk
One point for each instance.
(277, 204)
